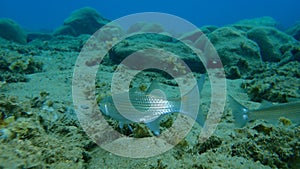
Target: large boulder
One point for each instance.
(10, 30)
(192, 36)
(145, 27)
(248, 24)
(271, 42)
(207, 29)
(158, 41)
(83, 21)
(233, 46)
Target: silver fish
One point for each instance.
(152, 107)
(270, 113)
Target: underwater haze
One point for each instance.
(150, 90)
(36, 14)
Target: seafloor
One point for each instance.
(39, 127)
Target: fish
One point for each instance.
(153, 105)
(269, 113)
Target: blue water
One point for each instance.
(39, 14)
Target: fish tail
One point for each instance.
(200, 118)
(240, 112)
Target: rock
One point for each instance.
(248, 24)
(14, 66)
(83, 21)
(291, 52)
(145, 27)
(147, 41)
(270, 40)
(191, 36)
(10, 30)
(233, 47)
(233, 73)
(294, 31)
(269, 82)
(208, 29)
(195, 35)
(110, 32)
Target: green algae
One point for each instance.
(273, 82)
(15, 66)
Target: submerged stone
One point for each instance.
(233, 47)
(10, 30)
(248, 24)
(83, 21)
(270, 40)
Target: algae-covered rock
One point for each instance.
(11, 106)
(270, 40)
(207, 29)
(31, 147)
(191, 36)
(110, 33)
(82, 21)
(276, 147)
(233, 44)
(27, 66)
(157, 41)
(248, 24)
(145, 27)
(10, 30)
(141, 131)
(233, 47)
(294, 31)
(211, 143)
(14, 66)
(274, 83)
(291, 52)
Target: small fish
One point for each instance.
(270, 113)
(153, 106)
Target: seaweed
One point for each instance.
(140, 131)
(159, 165)
(15, 66)
(273, 82)
(212, 143)
(276, 147)
(10, 106)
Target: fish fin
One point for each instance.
(130, 128)
(265, 104)
(154, 85)
(121, 125)
(200, 118)
(200, 84)
(240, 112)
(154, 126)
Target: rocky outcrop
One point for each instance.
(10, 30)
(233, 45)
(83, 21)
(248, 24)
(270, 41)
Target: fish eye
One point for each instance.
(245, 111)
(245, 117)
